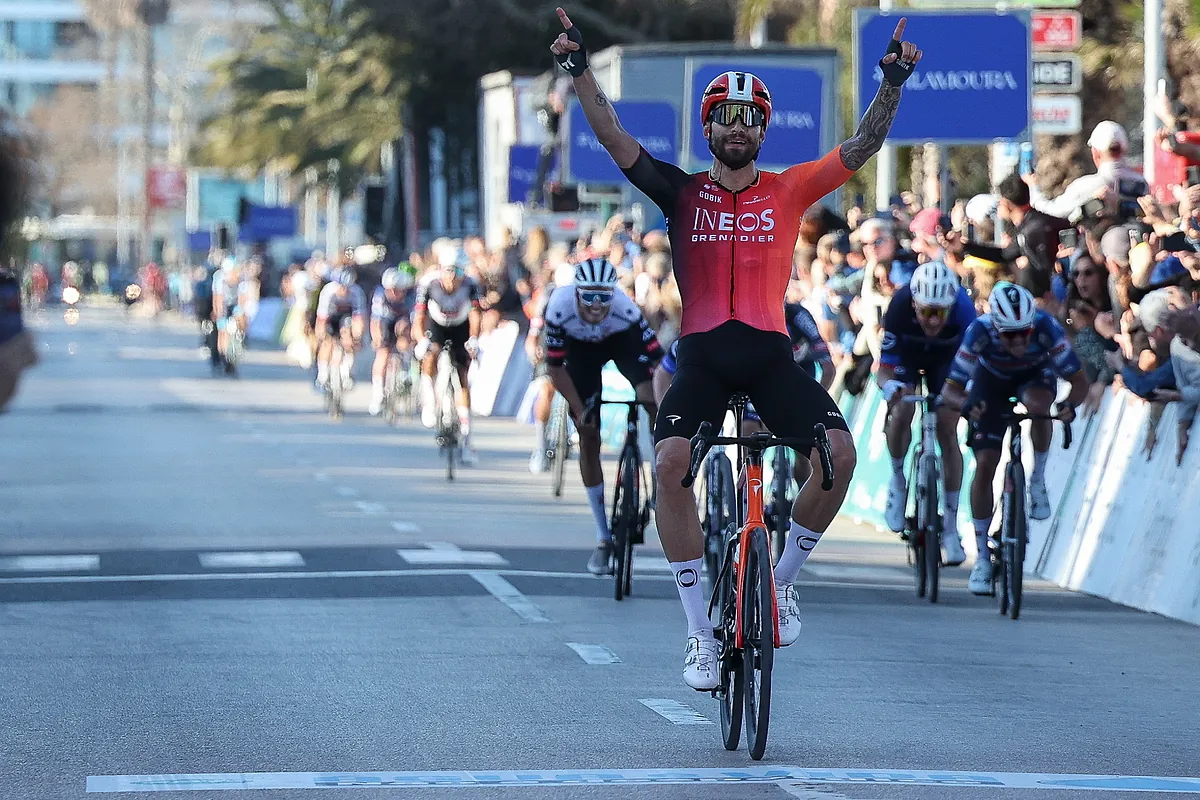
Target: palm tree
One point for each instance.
(316, 86)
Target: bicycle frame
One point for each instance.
(927, 444)
(751, 497)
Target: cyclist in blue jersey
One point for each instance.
(922, 330)
(392, 308)
(1015, 350)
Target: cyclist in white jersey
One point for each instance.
(341, 310)
(447, 315)
(587, 325)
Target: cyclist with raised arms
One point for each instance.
(589, 323)
(733, 229)
(1015, 350)
(922, 329)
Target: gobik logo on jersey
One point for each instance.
(723, 226)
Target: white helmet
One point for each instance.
(564, 274)
(1011, 307)
(595, 272)
(396, 279)
(933, 284)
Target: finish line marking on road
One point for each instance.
(80, 563)
(594, 653)
(632, 777)
(257, 560)
(508, 594)
(675, 712)
(447, 554)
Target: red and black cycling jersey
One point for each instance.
(732, 251)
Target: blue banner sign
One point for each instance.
(797, 94)
(522, 171)
(262, 223)
(654, 124)
(972, 84)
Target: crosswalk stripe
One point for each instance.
(508, 594)
(675, 712)
(261, 559)
(594, 653)
(55, 563)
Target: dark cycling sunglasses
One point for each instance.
(933, 313)
(1016, 336)
(728, 113)
(595, 297)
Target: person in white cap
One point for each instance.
(1113, 177)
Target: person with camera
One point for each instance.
(1113, 190)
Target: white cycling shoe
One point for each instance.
(893, 513)
(980, 581)
(701, 663)
(955, 554)
(1039, 500)
(789, 614)
(428, 415)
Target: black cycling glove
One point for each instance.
(575, 62)
(897, 72)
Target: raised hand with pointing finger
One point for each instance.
(568, 47)
(897, 67)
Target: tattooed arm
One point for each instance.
(623, 148)
(873, 128)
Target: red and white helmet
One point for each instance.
(736, 87)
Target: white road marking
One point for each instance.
(650, 564)
(445, 553)
(321, 476)
(835, 571)
(371, 509)
(260, 559)
(634, 777)
(78, 563)
(594, 653)
(508, 594)
(405, 527)
(346, 491)
(806, 791)
(675, 712)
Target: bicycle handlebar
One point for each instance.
(1018, 418)
(703, 441)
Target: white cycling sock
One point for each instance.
(596, 501)
(377, 385)
(981, 536)
(800, 544)
(322, 371)
(687, 581)
(539, 434)
(427, 396)
(1039, 466)
(347, 364)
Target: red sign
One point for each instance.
(166, 187)
(1056, 30)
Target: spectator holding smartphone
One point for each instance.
(1109, 145)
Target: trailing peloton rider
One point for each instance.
(922, 330)
(588, 324)
(448, 315)
(341, 308)
(391, 326)
(733, 230)
(1015, 350)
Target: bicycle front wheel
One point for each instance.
(624, 518)
(931, 532)
(1014, 546)
(781, 483)
(720, 502)
(758, 640)
(558, 443)
(731, 689)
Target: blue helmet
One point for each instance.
(344, 276)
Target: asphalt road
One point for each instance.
(209, 578)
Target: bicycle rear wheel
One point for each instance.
(931, 531)
(758, 640)
(731, 689)
(558, 444)
(916, 536)
(781, 483)
(625, 517)
(390, 382)
(1014, 546)
(721, 500)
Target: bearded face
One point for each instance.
(734, 145)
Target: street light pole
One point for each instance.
(151, 13)
(1154, 67)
